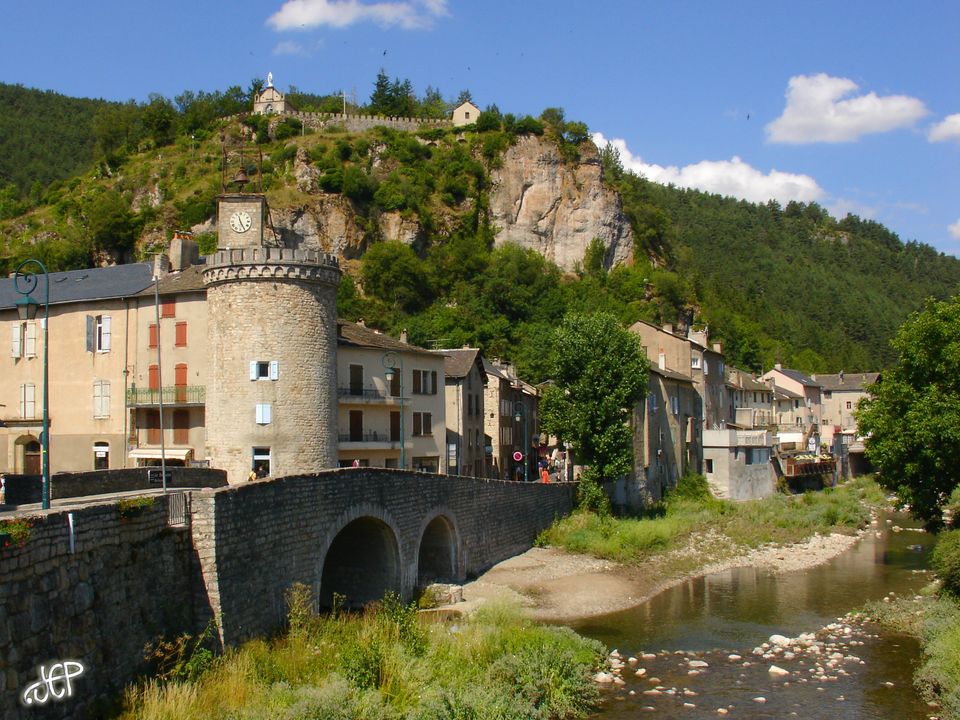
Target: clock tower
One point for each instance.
(240, 220)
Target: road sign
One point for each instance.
(518, 456)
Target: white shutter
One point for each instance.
(104, 333)
(30, 340)
(16, 347)
(28, 408)
(253, 369)
(264, 413)
(274, 370)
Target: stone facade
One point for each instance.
(272, 395)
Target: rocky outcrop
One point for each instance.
(328, 224)
(540, 202)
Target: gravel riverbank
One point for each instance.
(555, 585)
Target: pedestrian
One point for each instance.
(252, 476)
(544, 475)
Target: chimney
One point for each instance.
(184, 252)
(718, 348)
(161, 265)
(668, 328)
(841, 377)
(403, 335)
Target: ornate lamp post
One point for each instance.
(26, 282)
(390, 363)
(519, 415)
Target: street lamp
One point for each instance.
(25, 283)
(519, 415)
(390, 362)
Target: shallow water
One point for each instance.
(732, 612)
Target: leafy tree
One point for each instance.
(160, 119)
(111, 224)
(600, 373)
(593, 258)
(394, 274)
(911, 418)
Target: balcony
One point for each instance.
(171, 395)
(370, 440)
(353, 395)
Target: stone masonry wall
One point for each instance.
(124, 584)
(256, 539)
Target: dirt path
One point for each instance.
(555, 585)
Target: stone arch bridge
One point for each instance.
(358, 532)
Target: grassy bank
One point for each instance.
(390, 664)
(690, 511)
(935, 621)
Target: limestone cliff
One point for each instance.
(537, 201)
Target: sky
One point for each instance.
(854, 104)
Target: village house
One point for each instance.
(465, 113)
(841, 396)
(511, 422)
(92, 332)
(798, 398)
(465, 379)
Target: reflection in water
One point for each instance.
(736, 610)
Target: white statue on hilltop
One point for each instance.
(269, 79)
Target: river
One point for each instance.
(717, 621)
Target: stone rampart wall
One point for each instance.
(125, 582)
(25, 489)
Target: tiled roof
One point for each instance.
(670, 374)
(105, 283)
(782, 393)
(799, 377)
(349, 333)
(851, 381)
(457, 363)
(189, 280)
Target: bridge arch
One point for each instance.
(438, 556)
(362, 559)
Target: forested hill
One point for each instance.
(792, 283)
(44, 136)
(788, 284)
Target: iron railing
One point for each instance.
(172, 395)
(370, 436)
(178, 509)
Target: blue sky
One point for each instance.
(855, 105)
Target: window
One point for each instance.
(466, 114)
(424, 382)
(394, 426)
(796, 404)
(264, 413)
(706, 367)
(748, 456)
(181, 427)
(395, 381)
(98, 333)
(675, 404)
(101, 398)
(261, 461)
(28, 401)
(168, 307)
(101, 456)
(754, 395)
(154, 338)
(422, 423)
(827, 394)
(849, 405)
(469, 405)
(264, 370)
(153, 427)
(652, 400)
(709, 466)
(180, 338)
(356, 379)
(695, 362)
(356, 426)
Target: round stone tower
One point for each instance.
(271, 404)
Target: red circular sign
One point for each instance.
(518, 456)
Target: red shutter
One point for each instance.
(153, 377)
(181, 336)
(153, 335)
(181, 427)
(168, 307)
(180, 381)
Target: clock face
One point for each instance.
(241, 221)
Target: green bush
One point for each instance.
(946, 561)
(952, 508)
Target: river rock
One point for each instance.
(760, 699)
(603, 678)
(778, 671)
(779, 640)
(698, 663)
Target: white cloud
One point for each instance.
(305, 14)
(815, 112)
(841, 207)
(947, 129)
(954, 230)
(289, 47)
(726, 177)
